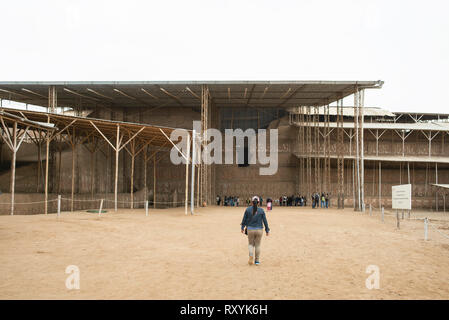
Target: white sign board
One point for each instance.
(402, 197)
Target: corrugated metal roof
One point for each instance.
(156, 94)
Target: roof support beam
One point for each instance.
(291, 95)
(149, 94)
(81, 95)
(172, 96)
(193, 93)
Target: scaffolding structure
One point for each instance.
(314, 134)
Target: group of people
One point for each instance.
(318, 200)
(233, 201)
(322, 200)
(290, 201)
(228, 201)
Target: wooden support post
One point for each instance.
(73, 170)
(14, 145)
(117, 150)
(47, 141)
(154, 182)
(93, 166)
(362, 150)
(198, 196)
(133, 156)
(436, 182)
(13, 166)
(59, 168)
(52, 106)
(146, 208)
(39, 165)
(187, 174)
(353, 184)
(192, 183)
(380, 184)
(145, 174)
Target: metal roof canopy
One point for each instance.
(154, 135)
(157, 94)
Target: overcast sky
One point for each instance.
(404, 43)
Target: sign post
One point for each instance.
(401, 199)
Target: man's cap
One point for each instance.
(255, 198)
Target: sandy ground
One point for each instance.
(310, 254)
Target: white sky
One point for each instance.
(404, 43)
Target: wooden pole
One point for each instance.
(357, 133)
(52, 104)
(353, 184)
(73, 170)
(14, 146)
(46, 169)
(39, 164)
(59, 168)
(13, 166)
(380, 184)
(192, 187)
(187, 174)
(436, 182)
(198, 179)
(145, 174)
(92, 168)
(117, 150)
(154, 181)
(133, 156)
